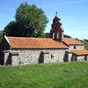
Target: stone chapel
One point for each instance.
(28, 50)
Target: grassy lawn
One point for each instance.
(63, 75)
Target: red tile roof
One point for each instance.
(71, 41)
(80, 52)
(29, 42)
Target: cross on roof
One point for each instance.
(56, 13)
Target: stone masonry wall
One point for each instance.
(76, 46)
(32, 56)
(80, 58)
(15, 60)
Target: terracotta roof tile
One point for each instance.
(71, 41)
(29, 42)
(80, 52)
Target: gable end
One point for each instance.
(4, 45)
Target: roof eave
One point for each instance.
(36, 48)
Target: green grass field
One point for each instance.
(62, 75)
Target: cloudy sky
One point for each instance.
(73, 14)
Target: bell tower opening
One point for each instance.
(56, 31)
(53, 35)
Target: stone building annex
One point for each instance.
(28, 50)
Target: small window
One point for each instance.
(74, 47)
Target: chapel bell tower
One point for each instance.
(56, 31)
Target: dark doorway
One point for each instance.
(1, 58)
(66, 57)
(41, 58)
(85, 58)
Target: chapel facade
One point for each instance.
(28, 50)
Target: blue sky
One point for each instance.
(73, 14)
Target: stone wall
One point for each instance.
(80, 58)
(69, 57)
(76, 47)
(32, 56)
(15, 59)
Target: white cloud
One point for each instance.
(63, 3)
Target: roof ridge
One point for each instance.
(27, 37)
(72, 41)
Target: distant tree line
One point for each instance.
(85, 41)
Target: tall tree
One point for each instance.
(30, 21)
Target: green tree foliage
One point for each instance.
(85, 41)
(67, 36)
(30, 21)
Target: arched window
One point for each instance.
(57, 35)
